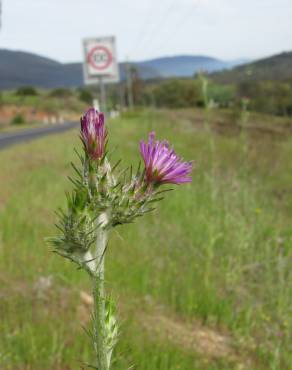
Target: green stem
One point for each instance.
(99, 317)
(99, 323)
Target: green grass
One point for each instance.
(14, 128)
(214, 255)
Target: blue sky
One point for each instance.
(227, 29)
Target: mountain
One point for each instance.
(185, 65)
(275, 68)
(18, 68)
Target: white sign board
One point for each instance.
(100, 60)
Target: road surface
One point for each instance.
(12, 138)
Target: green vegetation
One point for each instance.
(267, 84)
(204, 282)
(54, 101)
(185, 93)
(18, 120)
(177, 94)
(274, 68)
(61, 93)
(268, 96)
(85, 96)
(271, 97)
(26, 91)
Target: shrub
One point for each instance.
(86, 96)
(26, 91)
(223, 95)
(60, 93)
(270, 97)
(18, 119)
(178, 94)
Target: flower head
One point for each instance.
(93, 133)
(162, 165)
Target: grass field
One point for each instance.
(202, 283)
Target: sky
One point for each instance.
(226, 29)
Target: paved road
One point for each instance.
(12, 138)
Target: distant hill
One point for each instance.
(186, 65)
(19, 68)
(274, 68)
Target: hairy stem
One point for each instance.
(99, 317)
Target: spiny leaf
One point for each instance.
(91, 366)
(138, 169)
(122, 173)
(149, 210)
(77, 170)
(154, 200)
(79, 156)
(116, 165)
(88, 332)
(131, 173)
(163, 191)
(59, 227)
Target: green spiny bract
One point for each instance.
(96, 189)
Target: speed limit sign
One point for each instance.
(100, 60)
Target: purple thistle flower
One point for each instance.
(93, 133)
(162, 165)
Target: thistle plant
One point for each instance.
(102, 198)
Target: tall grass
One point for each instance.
(217, 252)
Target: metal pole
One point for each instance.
(122, 96)
(102, 94)
(129, 86)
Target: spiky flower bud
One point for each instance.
(93, 133)
(162, 165)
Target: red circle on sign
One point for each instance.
(106, 63)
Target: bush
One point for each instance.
(178, 94)
(85, 96)
(60, 93)
(223, 95)
(18, 120)
(271, 97)
(26, 91)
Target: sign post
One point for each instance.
(102, 94)
(100, 65)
